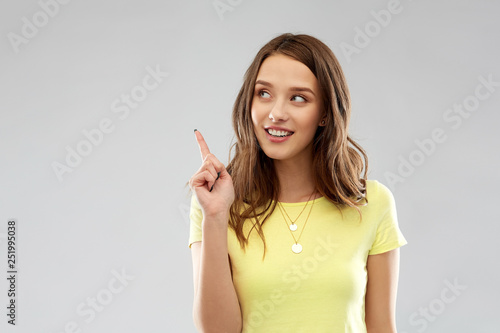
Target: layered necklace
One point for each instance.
(296, 247)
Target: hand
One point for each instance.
(212, 184)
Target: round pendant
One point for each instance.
(293, 227)
(296, 248)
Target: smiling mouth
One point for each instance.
(278, 134)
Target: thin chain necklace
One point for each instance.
(293, 226)
(296, 247)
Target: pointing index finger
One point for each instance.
(204, 151)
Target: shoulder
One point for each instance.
(378, 194)
(375, 189)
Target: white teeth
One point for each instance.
(278, 133)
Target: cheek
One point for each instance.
(255, 121)
(257, 113)
(253, 114)
(311, 122)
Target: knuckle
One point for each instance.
(208, 175)
(211, 157)
(206, 163)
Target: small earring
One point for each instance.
(323, 122)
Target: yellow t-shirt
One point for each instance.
(321, 289)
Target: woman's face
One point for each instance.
(286, 108)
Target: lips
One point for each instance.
(277, 134)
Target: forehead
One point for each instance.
(282, 69)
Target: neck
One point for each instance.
(296, 180)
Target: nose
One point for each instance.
(278, 112)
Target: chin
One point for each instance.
(274, 154)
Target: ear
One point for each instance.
(322, 123)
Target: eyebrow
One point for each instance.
(268, 84)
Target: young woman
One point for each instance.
(290, 237)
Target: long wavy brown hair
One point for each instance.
(337, 166)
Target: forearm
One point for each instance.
(216, 306)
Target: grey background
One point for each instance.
(125, 205)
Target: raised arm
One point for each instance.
(216, 307)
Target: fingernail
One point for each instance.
(195, 129)
(218, 175)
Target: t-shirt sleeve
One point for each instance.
(195, 218)
(388, 236)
